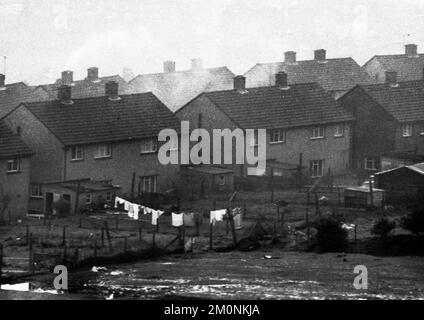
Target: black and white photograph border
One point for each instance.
(233, 151)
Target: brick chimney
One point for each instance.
(64, 94)
(281, 80)
(93, 74)
(169, 66)
(240, 83)
(67, 77)
(290, 57)
(196, 64)
(2, 81)
(111, 90)
(391, 78)
(320, 55)
(411, 50)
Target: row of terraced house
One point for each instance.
(321, 115)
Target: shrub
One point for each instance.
(383, 227)
(331, 237)
(414, 221)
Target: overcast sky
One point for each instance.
(43, 37)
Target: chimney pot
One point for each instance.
(67, 77)
(169, 66)
(281, 80)
(290, 57)
(196, 64)
(111, 90)
(391, 78)
(93, 74)
(240, 83)
(411, 50)
(2, 81)
(64, 94)
(320, 55)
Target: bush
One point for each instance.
(383, 227)
(331, 237)
(414, 221)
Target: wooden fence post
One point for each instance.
(233, 228)
(103, 237)
(64, 236)
(31, 256)
(1, 259)
(27, 234)
(108, 236)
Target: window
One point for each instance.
(407, 130)
(13, 165)
(318, 133)
(104, 150)
(148, 184)
(36, 191)
(108, 196)
(88, 198)
(277, 136)
(370, 164)
(77, 153)
(317, 168)
(148, 146)
(339, 130)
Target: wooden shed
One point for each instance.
(363, 197)
(91, 195)
(403, 185)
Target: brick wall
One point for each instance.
(119, 168)
(16, 186)
(335, 151)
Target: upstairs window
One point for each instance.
(318, 133)
(104, 150)
(277, 136)
(370, 164)
(407, 130)
(77, 153)
(339, 130)
(149, 146)
(12, 165)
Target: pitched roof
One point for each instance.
(97, 119)
(13, 95)
(10, 144)
(333, 74)
(271, 107)
(175, 89)
(407, 68)
(404, 102)
(85, 88)
(418, 168)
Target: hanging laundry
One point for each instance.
(136, 209)
(131, 211)
(237, 216)
(155, 216)
(217, 215)
(177, 219)
(188, 219)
